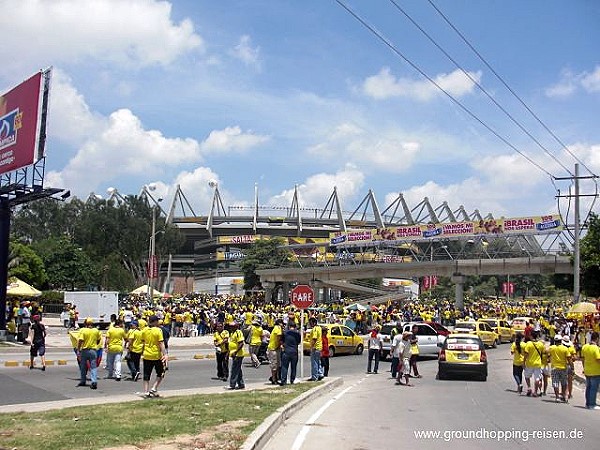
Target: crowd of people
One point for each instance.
(140, 332)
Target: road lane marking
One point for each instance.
(299, 441)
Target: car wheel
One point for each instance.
(331, 352)
(441, 375)
(359, 349)
(482, 377)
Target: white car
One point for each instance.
(428, 338)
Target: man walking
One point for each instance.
(236, 350)
(134, 346)
(113, 345)
(316, 345)
(374, 346)
(274, 350)
(533, 364)
(154, 356)
(289, 356)
(38, 341)
(221, 341)
(590, 354)
(559, 360)
(89, 338)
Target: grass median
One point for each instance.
(208, 421)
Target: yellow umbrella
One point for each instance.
(143, 290)
(19, 288)
(583, 308)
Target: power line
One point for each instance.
(510, 116)
(392, 47)
(466, 41)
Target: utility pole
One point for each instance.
(577, 229)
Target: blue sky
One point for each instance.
(283, 93)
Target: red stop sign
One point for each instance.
(303, 296)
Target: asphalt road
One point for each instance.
(20, 385)
(370, 412)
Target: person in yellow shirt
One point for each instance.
(221, 341)
(134, 353)
(87, 343)
(236, 350)
(255, 338)
(154, 356)
(274, 350)
(560, 359)
(517, 350)
(590, 355)
(115, 337)
(534, 349)
(566, 341)
(316, 345)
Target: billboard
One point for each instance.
(21, 124)
(489, 227)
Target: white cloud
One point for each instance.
(317, 188)
(386, 151)
(591, 81)
(571, 82)
(232, 139)
(385, 85)
(133, 32)
(246, 53)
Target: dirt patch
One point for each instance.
(226, 436)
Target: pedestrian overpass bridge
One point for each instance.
(456, 269)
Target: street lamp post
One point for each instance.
(152, 257)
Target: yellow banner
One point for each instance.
(490, 227)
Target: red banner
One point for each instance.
(20, 124)
(153, 267)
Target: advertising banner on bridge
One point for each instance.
(488, 227)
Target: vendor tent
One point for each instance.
(19, 288)
(143, 290)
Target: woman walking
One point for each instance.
(375, 344)
(516, 349)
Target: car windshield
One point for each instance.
(491, 322)
(465, 325)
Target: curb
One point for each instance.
(259, 437)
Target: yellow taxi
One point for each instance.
(502, 328)
(342, 340)
(518, 324)
(462, 354)
(481, 329)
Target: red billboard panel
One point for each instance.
(20, 124)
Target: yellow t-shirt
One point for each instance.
(74, 337)
(534, 352)
(220, 338)
(142, 324)
(316, 334)
(591, 354)
(89, 338)
(135, 336)
(114, 338)
(559, 355)
(234, 339)
(151, 337)
(101, 341)
(248, 318)
(518, 358)
(167, 318)
(275, 339)
(256, 335)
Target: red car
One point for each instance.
(441, 329)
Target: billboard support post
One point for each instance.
(23, 115)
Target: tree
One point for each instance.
(590, 258)
(24, 263)
(263, 254)
(68, 266)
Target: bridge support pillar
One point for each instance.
(459, 293)
(285, 293)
